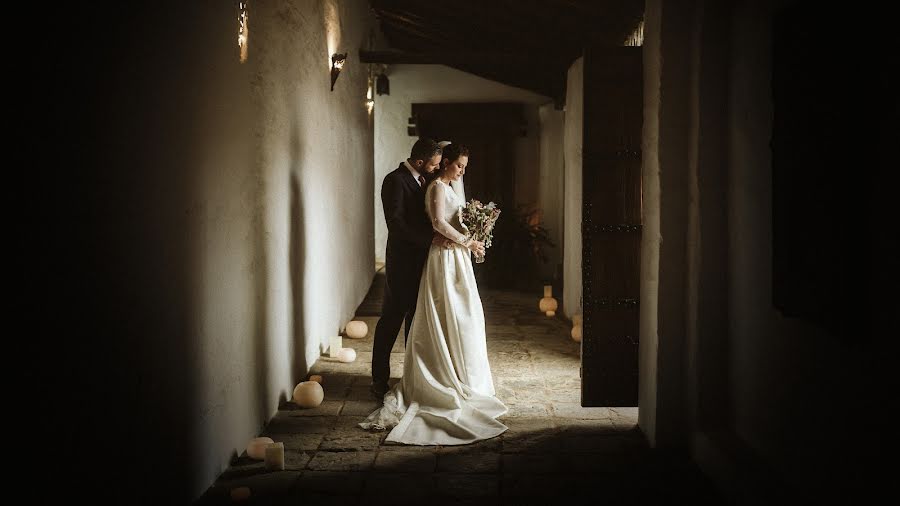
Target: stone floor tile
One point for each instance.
(405, 461)
(335, 483)
(466, 463)
(467, 485)
(342, 461)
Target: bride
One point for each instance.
(446, 394)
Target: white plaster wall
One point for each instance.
(238, 225)
(441, 84)
(311, 228)
(572, 195)
(552, 156)
(650, 236)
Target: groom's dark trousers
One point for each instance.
(409, 237)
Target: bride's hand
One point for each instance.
(476, 247)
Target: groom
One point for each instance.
(409, 237)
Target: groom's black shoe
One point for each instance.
(378, 390)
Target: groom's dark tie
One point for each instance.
(421, 180)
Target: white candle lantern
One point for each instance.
(548, 304)
(576, 333)
(347, 355)
(356, 329)
(308, 394)
(275, 457)
(335, 346)
(256, 449)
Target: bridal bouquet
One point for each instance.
(480, 219)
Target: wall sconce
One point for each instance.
(370, 100)
(382, 85)
(243, 30)
(337, 63)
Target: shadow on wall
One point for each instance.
(299, 366)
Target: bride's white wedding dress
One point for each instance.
(446, 394)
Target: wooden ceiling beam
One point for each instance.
(453, 57)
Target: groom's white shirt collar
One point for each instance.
(414, 172)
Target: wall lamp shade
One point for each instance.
(337, 63)
(382, 85)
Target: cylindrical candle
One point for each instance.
(275, 457)
(335, 346)
(256, 449)
(548, 290)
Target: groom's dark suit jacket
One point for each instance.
(409, 233)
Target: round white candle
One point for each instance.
(256, 449)
(308, 394)
(347, 355)
(357, 329)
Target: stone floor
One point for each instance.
(555, 451)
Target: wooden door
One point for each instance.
(611, 225)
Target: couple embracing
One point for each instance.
(446, 394)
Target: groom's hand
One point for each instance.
(440, 240)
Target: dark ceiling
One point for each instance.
(525, 43)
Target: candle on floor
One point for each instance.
(576, 333)
(347, 355)
(308, 394)
(256, 449)
(356, 329)
(548, 304)
(275, 457)
(335, 346)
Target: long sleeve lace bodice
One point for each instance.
(443, 206)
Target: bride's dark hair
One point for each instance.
(451, 152)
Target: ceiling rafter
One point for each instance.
(529, 44)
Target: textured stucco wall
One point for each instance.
(552, 155)
(236, 202)
(650, 236)
(441, 84)
(574, 130)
